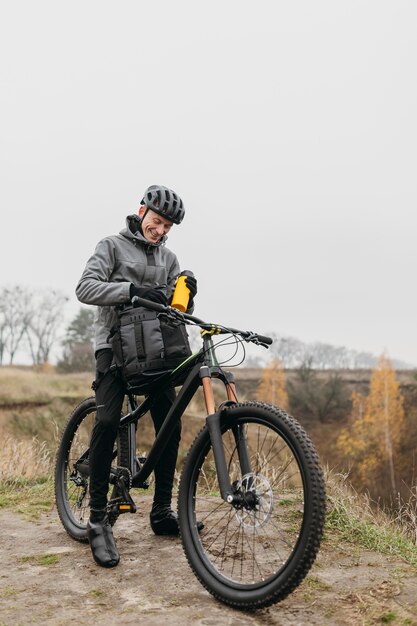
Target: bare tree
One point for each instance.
(319, 355)
(322, 398)
(294, 353)
(341, 357)
(327, 356)
(3, 329)
(15, 310)
(289, 350)
(364, 360)
(44, 324)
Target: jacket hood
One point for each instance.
(131, 231)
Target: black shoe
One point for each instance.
(100, 537)
(164, 521)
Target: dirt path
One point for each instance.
(153, 583)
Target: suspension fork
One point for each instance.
(213, 421)
(242, 449)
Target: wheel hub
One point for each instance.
(256, 500)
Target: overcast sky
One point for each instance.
(289, 129)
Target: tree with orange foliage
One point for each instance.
(372, 441)
(272, 387)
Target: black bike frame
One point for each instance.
(205, 366)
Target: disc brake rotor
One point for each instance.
(258, 497)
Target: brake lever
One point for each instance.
(172, 314)
(253, 338)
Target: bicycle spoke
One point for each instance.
(211, 512)
(221, 530)
(253, 541)
(225, 539)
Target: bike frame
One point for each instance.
(203, 367)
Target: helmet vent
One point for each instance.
(165, 202)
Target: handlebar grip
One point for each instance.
(148, 304)
(266, 340)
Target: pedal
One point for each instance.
(119, 506)
(122, 502)
(126, 507)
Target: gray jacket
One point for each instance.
(118, 262)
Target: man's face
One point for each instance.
(154, 226)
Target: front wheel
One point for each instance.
(254, 552)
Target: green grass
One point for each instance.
(387, 618)
(8, 592)
(95, 593)
(40, 559)
(312, 582)
(286, 502)
(371, 536)
(352, 518)
(30, 497)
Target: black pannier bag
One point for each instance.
(145, 342)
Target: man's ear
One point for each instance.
(141, 210)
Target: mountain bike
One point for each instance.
(252, 476)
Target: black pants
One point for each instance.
(109, 398)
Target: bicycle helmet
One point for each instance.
(165, 202)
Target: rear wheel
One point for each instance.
(72, 473)
(255, 551)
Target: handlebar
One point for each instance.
(185, 317)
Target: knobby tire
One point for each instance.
(253, 556)
(72, 486)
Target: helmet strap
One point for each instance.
(143, 217)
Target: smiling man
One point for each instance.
(153, 226)
(135, 262)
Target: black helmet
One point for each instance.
(165, 202)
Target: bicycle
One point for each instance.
(251, 476)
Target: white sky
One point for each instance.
(289, 129)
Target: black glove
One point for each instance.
(155, 294)
(191, 283)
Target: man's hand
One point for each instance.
(155, 294)
(191, 283)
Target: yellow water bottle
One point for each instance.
(181, 295)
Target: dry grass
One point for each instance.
(360, 521)
(26, 458)
(26, 483)
(35, 404)
(406, 513)
(19, 385)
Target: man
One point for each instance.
(133, 263)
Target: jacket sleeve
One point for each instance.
(95, 286)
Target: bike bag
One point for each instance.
(144, 341)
